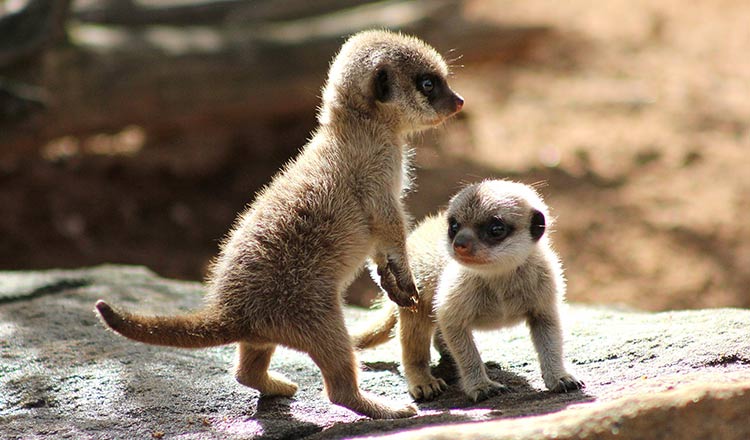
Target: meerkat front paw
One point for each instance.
(405, 283)
(428, 390)
(486, 390)
(565, 384)
(389, 284)
(399, 285)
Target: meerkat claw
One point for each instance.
(406, 285)
(487, 390)
(568, 384)
(406, 297)
(409, 302)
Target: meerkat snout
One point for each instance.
(439, 95)
(458, 100)
(464, 243)
(476, 244)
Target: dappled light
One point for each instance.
(127, 142)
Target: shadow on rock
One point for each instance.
(453, 406)
(522, 399)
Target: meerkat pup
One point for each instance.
(485, 263)
(281, 270)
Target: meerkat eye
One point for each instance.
(497, 229)
(453, 227)
(426, 84)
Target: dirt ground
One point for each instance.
(633, 114)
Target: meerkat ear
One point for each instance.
(538, 225)
(381, 84)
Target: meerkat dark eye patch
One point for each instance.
(382, 86)
(427, 84)
(496, 230)
(439, 95)
(538, 225)
(453, 227)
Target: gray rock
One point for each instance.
(62, 375)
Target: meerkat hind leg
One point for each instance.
(334, 355)
(415, 333)
(252, 371)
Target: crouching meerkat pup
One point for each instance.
(281, 270)
(485, 263)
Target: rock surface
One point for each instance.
(666, 375)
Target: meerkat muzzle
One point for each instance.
(463, 244)
(458, 101)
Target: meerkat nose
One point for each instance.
(459, 101)
(463, 244)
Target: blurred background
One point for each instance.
(134, 131)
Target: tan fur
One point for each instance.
(281, 271)
(486, 287)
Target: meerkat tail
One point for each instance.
(379, 330)
(197, 330)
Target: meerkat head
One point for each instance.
(392, 78)
(495, 225)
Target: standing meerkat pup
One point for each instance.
(280, 273)
(485, 263)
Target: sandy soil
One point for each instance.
(634, 115)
